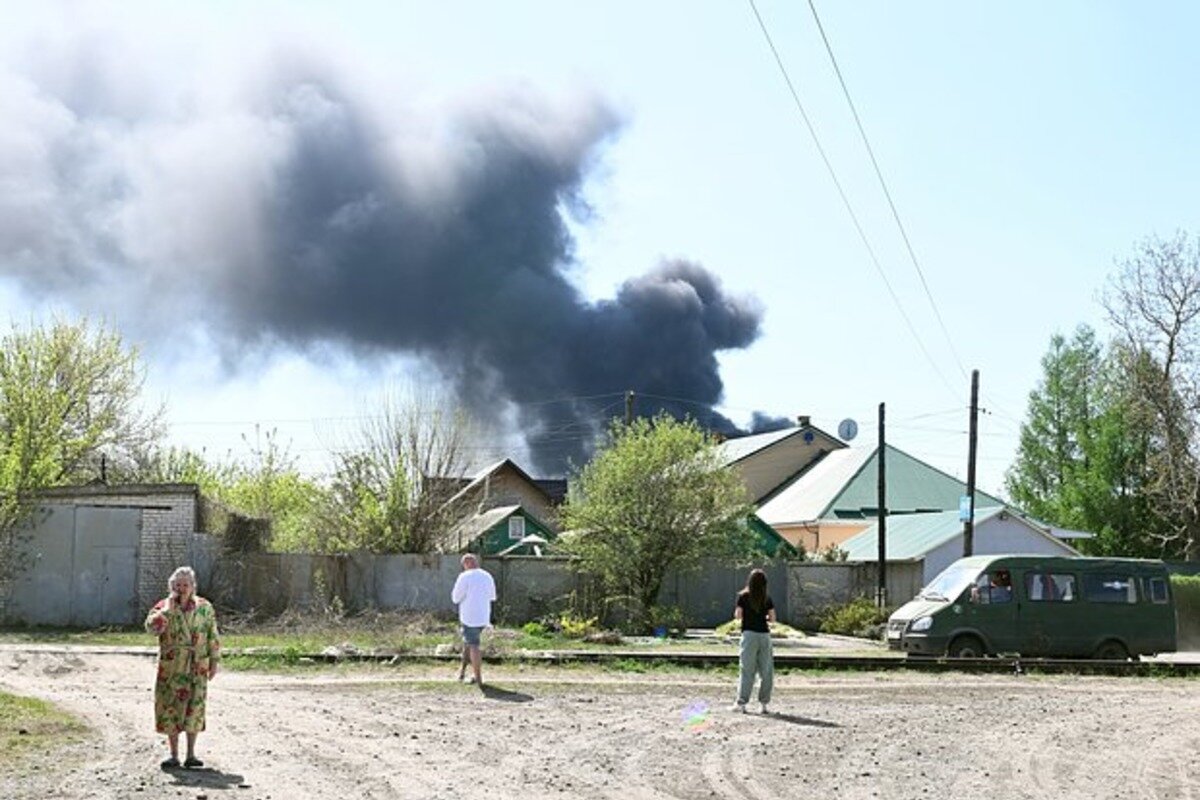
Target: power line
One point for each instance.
(883, 185)
(846, 200)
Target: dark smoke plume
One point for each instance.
(765, 423)
(294, 212)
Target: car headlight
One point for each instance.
(922, 624)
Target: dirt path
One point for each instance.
(546, 733)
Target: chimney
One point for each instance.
(803, 420)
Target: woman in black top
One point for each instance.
(756, 611)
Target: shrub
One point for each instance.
(859, 617)
(833, 553)
(536, 630)
(1187, 609)
(666, 619)
(574, 627)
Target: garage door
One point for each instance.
(81, 567)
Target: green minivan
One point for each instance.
(1040, 606)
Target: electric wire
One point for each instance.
(845, 199)
(886, 192)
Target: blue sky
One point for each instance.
(1027, 147)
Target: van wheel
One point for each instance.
(966, 647)
(1111, 651)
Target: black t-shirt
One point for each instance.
(753, 620)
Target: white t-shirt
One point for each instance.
(474, 590)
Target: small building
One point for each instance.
(503, 484)
(497, 530)
(101, 555)
(936, 539)
(836, 496)
(766, 461)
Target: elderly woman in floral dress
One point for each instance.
(188, 653)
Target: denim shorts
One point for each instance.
(471, 634)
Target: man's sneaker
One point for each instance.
(765, 709)
(739, 708)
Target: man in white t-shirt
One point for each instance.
(474, 592)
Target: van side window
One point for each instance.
(1047, 587)
(992, 587)
(1156, 590)
(1110, 588)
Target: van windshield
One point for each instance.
(949, 584)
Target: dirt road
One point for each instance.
(555, 733)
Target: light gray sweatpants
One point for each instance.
(755, 658)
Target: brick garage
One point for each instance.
(170, 516)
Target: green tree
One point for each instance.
(654, 497)
(1154, 304)
(70, 400)
(391, 487)
(70, 394)
(1058, 430)
(269, 485)
(1082, 458)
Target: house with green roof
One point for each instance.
(837, 496)
(508, 530)
(935, 539)
(817, 491)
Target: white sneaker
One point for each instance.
(739, 708)
(765, 709)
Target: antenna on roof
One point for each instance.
(847, 429)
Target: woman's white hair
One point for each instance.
(182, 572)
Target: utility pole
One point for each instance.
(969, 523)
(881, 589)
(628, 407)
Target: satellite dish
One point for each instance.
(847, 429)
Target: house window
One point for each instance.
(516, 527)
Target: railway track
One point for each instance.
(793, 661)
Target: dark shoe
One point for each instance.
(170, 763)
(193, 763)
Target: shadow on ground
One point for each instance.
(505, 695)
(206, 778)
(798, 720)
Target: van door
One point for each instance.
(992, 610)
(1052, 620)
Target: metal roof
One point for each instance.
(807, 496)
(472, 527)
(911, 536)
(844, 485)
(736, 449)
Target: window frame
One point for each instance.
(1110, 597)
(521, 535)
(1064, 596)
(1149, 595)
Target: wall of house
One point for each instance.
(998, 535)
(506, 488)
(766, 470)
(818, 536)
(496, 538)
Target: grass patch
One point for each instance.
(28, 725)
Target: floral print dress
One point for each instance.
(188, 649)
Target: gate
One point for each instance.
(81, 567)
